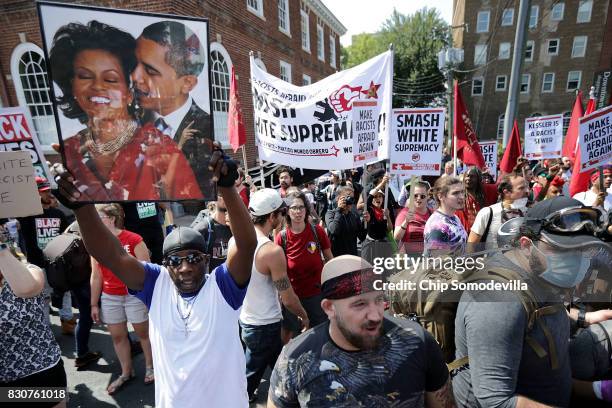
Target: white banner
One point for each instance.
(489, 152)
(311, 126)
(543, 137)
(416, 141)
(596, 139)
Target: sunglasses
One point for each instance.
(175, 261)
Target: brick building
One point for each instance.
(567, 44)
(298, 41)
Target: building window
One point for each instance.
(305, 30)
(320, 42)
(500, 126)
(553, 47)
(221, 66)
(332, 51)
(482, 24)
(480, 54)
(579, 46)
(548, 82)
(508, 17)
(585, 7)
(557, 12)
(533, 16)
(256, 7)
(525, 83)
(29, 72)
(567, 116)
(283, 16)
(529, 50)
(573, 80)
(504, 50)
(500, 82)
(285, 71)
(477, 86)
(306, 79)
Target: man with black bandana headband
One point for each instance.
(193, 317)
(360, 357)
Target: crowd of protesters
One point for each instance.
(282, 279)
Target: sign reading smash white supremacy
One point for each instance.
(596, 139)
(416, 141)
(311, 126)
(544, 137)
(489, 152)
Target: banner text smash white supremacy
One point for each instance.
(311, 126)
(596, 139)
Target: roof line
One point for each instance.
(323, 12)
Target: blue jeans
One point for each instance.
(82, 295)
(263, 345)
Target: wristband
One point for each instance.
(581, 322)
(549, 177)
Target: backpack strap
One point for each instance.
(317, 241)
(486, 231)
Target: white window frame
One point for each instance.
(332, 51)
(508, 53)
(320, 42)
(218, 92)
(287, 67)
(506, 13)
(483, 13)
(480, 57)
(44, 125)
(533, 15)
(561, 13)
(306, 80)
(527, 44)
(258, 10)
(567, 116)
(551, 82)
(481, 79)
(548, 46)
(528, 76)
(497, 88)
(500, 126)
(584, 47)
(305, 27)
(567, 88)
(283, 7)
(582, 3)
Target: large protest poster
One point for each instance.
(365, 135)
(18, 193)
(543, 137)
(417, 136)
(489, 152)
(310, 126)
(132, 102)
(17, 134)
(596, 139)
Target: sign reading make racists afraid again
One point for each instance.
(312, 126)
(596, 139)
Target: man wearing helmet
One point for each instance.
(514, 345)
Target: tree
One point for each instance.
(417, 39)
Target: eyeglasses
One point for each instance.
(575, 219)
(297, 208)
(421, 196)
(175, 261)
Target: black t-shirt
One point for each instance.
(407, 363)
(144, 220)
(38, 230)
(216, 240)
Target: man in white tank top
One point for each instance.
(193, 317)
(260, 318)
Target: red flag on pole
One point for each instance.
(512, 152)
(468, 149)
(580, 181)
(571, 137)
(235, 125)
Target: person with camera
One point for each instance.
(344, 224)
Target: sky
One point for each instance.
(367, 16)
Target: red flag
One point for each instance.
(580, 181)
(571, 137)
(512, 152)
(468, 149)
(235, 125)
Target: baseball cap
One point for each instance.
(265, 201)
(543, 211)
(182, 238)
(42, 184)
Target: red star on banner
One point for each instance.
(371, 92)
(335, 150)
